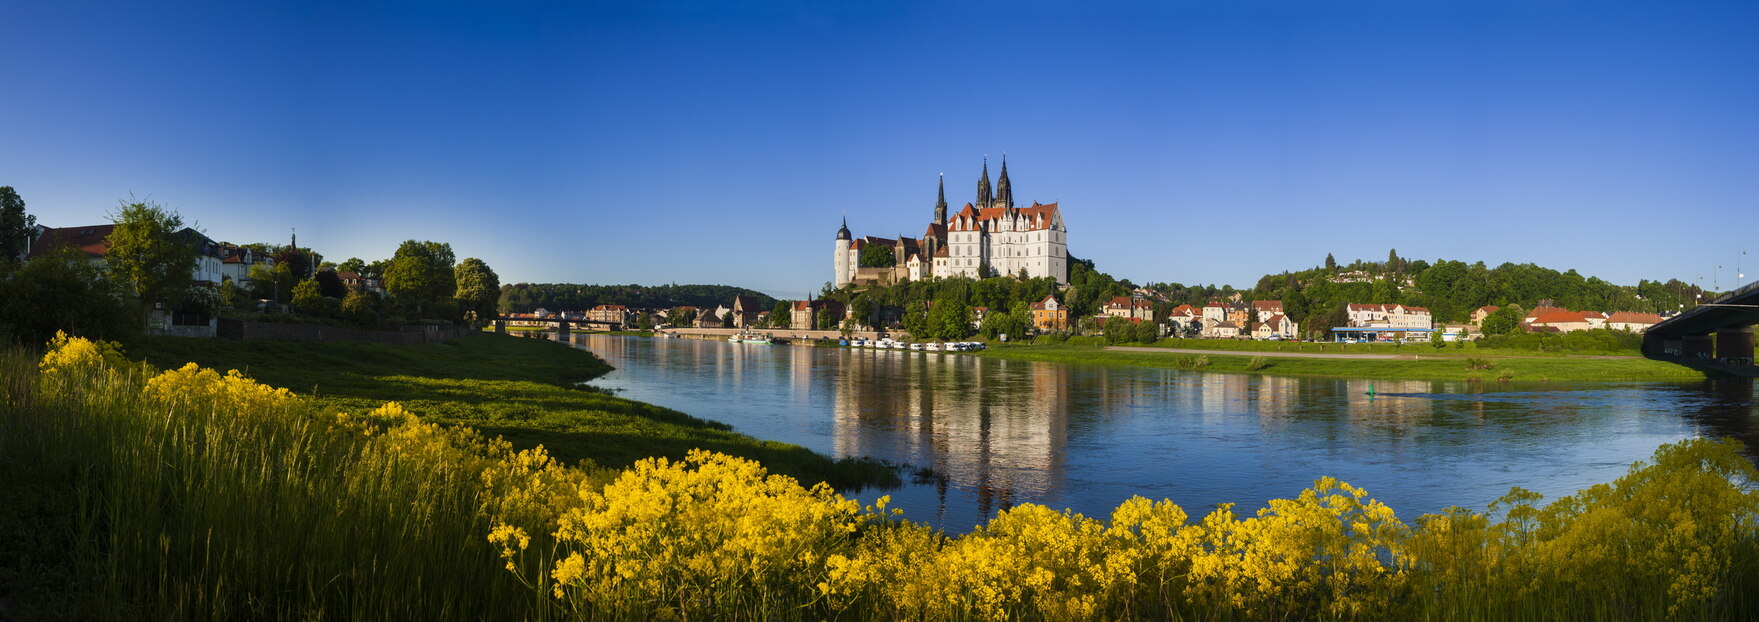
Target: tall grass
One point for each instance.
(192, 495)
(189, 495)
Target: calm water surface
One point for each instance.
(1087, 437)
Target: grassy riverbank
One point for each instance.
(188, 494)
(525, 390)
(1432, 366)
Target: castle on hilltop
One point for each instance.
(990, 233)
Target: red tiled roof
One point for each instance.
(1538, 311)
(92, 240)
(1564, 317)
(1489, 308)
(1267, 304)
(1037, 216)
(1632, 317)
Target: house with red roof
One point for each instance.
(1050, 314)
(1632, 321)
(1566, 321)
(1127, 307)
(1262, 310)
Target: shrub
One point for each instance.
(1257, 363)
(1477, 362)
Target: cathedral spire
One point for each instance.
(940, 204)
(1004, 191)
(984, 198)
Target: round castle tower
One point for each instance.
(841, 262)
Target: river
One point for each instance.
(1087, 437)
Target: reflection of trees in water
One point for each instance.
(1726, 408)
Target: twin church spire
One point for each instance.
(1002, 196)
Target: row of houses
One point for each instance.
(1261, 319)
(216, 263)
(1546, 318)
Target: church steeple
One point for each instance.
(984, 198)
(940, 204)
(1004, 192)
(843, 233)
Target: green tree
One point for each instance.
(1330, 262)
(360, 307)
(861, 310)
(478, 290)
(307, 298)
(1503, 321)
(16, 226)
(781, 314)
(64, 290)
(331, 286)
(353, 264)
(298, 264)
(950, 319)
(149, 254)
(1436, 341)
(877, 256)
(420, 274)
(233, 296)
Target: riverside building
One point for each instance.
(991, 233)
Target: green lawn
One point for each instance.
(1515, 368)
(525, 390)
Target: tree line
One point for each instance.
(150, 265)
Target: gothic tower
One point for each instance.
(940, 204)
(1004, 192)
(984, 198)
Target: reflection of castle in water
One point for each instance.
(1000, 435)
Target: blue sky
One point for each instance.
(1196, 142)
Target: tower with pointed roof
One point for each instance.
(1004, 191)
(984, 198)
(940, 203)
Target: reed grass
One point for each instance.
(186, 494)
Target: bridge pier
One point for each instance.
(562, 327)
(1694, 345)
(501, 326)
(1654, 344)
(1734, 343)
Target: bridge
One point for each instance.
(562, 321)
(1721, 329)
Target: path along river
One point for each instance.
(1088, 437)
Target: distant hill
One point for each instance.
(1450, 289)
(525, 297)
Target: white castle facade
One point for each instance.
(990, 233)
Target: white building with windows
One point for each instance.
(991, 233)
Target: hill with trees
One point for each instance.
(1451, 289)
(528, 297)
